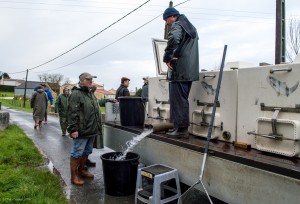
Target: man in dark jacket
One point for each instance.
(61, 108)
(123, 88)
(84, 124)
(182, 58)
(145, 88)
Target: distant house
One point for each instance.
(98, 86)
(99, 93)
(113, 91)
(19, 90)
(11, 82)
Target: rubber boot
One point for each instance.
(82, 172)
(75, 179)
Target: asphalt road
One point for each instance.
(57, 149)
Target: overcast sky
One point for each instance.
(36, 31)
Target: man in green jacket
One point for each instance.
(84, 124)
(61, 108)
(182, 58)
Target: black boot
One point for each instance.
(179, 133)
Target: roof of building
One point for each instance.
(30, 85)
(18, 80)
(104, 92)
(97, 85)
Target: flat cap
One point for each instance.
(86, 75)
(124, 79)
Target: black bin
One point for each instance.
(132, 111)
(120, 175)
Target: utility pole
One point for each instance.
(168, 27)
(280, 32)
(25, 88)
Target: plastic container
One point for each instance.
(120, 175)
(132, 111)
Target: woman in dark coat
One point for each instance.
(38, 103)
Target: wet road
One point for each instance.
(57, 149)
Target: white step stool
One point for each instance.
(155, 194)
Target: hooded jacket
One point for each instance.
(61, 105)
(182, 44)
(84, 113)
(38, 103)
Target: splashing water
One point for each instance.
(132, 143)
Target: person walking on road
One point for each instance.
(50, 98)
(182, 58)
(61, 109)
(123, 88)
(84, 124)
(38, 103)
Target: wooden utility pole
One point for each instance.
(25, 88)
(168, 27)
(280, 32)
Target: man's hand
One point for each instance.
(169, 63)
(74, 134)
(169, 66)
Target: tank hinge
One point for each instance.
(263, 107)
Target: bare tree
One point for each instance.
(67, 81)
(293, 38)
(51, 78)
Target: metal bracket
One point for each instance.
(203, 114)
(207, 104)
(281, 70)
(209, 75)
(263, 107)
(276, 137)
(162, 102)
(274, 122)
(201, 124)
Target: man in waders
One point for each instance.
(84, 124)
(61, 109)
(182, 58)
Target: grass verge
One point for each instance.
(20, 179)
(17, 104)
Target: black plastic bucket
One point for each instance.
(120, 175)
(132, 111)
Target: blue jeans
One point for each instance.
(82, 147)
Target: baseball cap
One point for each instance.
(86, 75)
(146, 78)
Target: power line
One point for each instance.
(88, 38)
(124, 36)
(54, 4)
(76, 5)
